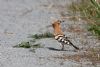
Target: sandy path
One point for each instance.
(18, 19)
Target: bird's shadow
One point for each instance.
(54, 49)
(51, 48)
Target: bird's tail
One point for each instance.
(74, 46)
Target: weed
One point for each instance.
(40, 36)
(31, 43)
(28, 45)
(23, 45)
(88, 10)
(95, 30)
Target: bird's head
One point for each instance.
(56, 23)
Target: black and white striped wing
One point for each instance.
(64, 40)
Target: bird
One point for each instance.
(60, 36)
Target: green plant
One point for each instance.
(96, 6)
(40, 36)
(88, 10)
(95, 30)
(28, 45)
(23, 45)
(31, 43)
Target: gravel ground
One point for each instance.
(19, 18)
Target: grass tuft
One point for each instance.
(95, 30)
(88, 10)
(44, 35)
(23, 45)
(31, 43)
(28, 45)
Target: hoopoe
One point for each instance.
(59, 35)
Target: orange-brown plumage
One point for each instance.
(59, 35)
(57, 28)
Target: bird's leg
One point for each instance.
(62, 47)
